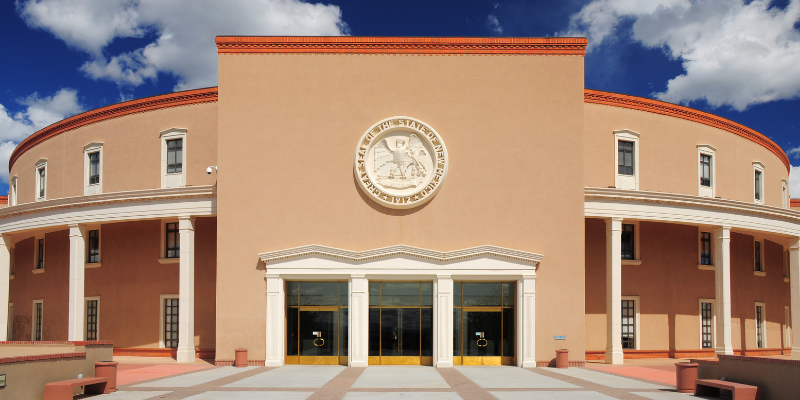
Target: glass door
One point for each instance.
(483, 323)
(316, 322)
(401, 323)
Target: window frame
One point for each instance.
(762, 325)
(700, 231)
(177, 243)
(785, 201)
(713, 322)
(88, 150)
(40, 165)
(787, 327)
(758, 256)
(621, 181)
(10, 323)
(636, 321)
(162, 317)
(99, 262)
(12, 191)
(758, 185)
(710, 151)
(39, 257)
(40, 322)
(785, 265)
(173, 180)
(86, 301)
(637, 260)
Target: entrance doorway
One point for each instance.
(401, 323)
(483, 323)
(316, 323)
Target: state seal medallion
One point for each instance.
(400, 162)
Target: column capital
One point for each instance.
(185, 217)
(444, 276)
(794, 244)
(358, 276)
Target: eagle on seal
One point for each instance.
(403, 166)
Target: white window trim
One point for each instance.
(42, 163)
(33, 319)
(86, 314)
(711, 151)
(785, 194)
(12, 191)
(763, 271)
(162, 258)
(161, 317)
(10, 326)
(36, 254)
(787, 327)
(637, 319)
(700, 266)
(99, 263)
(93, 147)
(763, 324)
(626, 135)
(713, 322)
(758, 166)
(637, 255)
(170, 134)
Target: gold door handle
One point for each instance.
(485, 342)
(321, 344)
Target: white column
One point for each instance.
(186, 353)
(526, 351)
(77, 261)
(722, 278)
(614, 291)
(275, 321)
(443, 322)
(359, 321)
(5, 271)
(794, 279)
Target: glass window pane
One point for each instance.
(291, 331)
(344, 294)
(508, 332)
(426, 335)
(482, 294)
(509, 294)
(374, 293)
(343, 332)
(291, 293)
(374, 332)
(457, 294)
(319, 293)
(457, 332)
(400, 294)
(427, 294)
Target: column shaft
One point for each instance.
(359, 321)
(77, 269)
(527, 286)
(186, 350)
(614, 291)
(5, 271)
(275, 321)
(794, 308)
(443, 322)
(722, 277)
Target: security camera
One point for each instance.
(209, 169)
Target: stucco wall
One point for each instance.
(670, 287)
(668, 158)
(289, 125)
(131, 153)
(129, 284)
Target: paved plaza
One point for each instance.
(301, 382)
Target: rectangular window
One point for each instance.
(173, 245)
(40, 254)
(625, 157)
(785, 263)
(628, 324)
(174, 156)
(760, 338)
(91, 319)
(758, 183)
(171, 323)
(42, 181)
(705, 170)
(705, 248)
(628, 242)
(37, 320)
(93, 253)
(94, 168)
(707, 324)
(758, 266)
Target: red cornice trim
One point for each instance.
(399, 45)
(689, 114)
(794, 202)
(206, 95)
(3, 199)
(41, 357)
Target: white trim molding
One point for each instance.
(711, 151)
(175, 179)
(626, 181)
(92, 188)
(758, 166)
(40, 169)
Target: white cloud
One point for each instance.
(184, 32)
(734, 53)
(39, 113)
(494, 24)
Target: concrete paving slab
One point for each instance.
(196, 378)
(512, 378)
(604, 379)
(291, 376)
(251, 395)
(544, 395)
(123, 395)
(401, 377)
(401, 396)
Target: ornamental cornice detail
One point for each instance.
(684, 200)
(400, 45)
(399, 251)
(686, 113)
(188, 97)
(137, 196)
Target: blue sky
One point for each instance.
(734, 58)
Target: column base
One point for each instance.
(725, 351)
(529, 364)
(273, 363)
(614, 357)
(185, 355)
(444, 364)
(359, 364)
(795, 352)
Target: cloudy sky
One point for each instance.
(734, 58)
